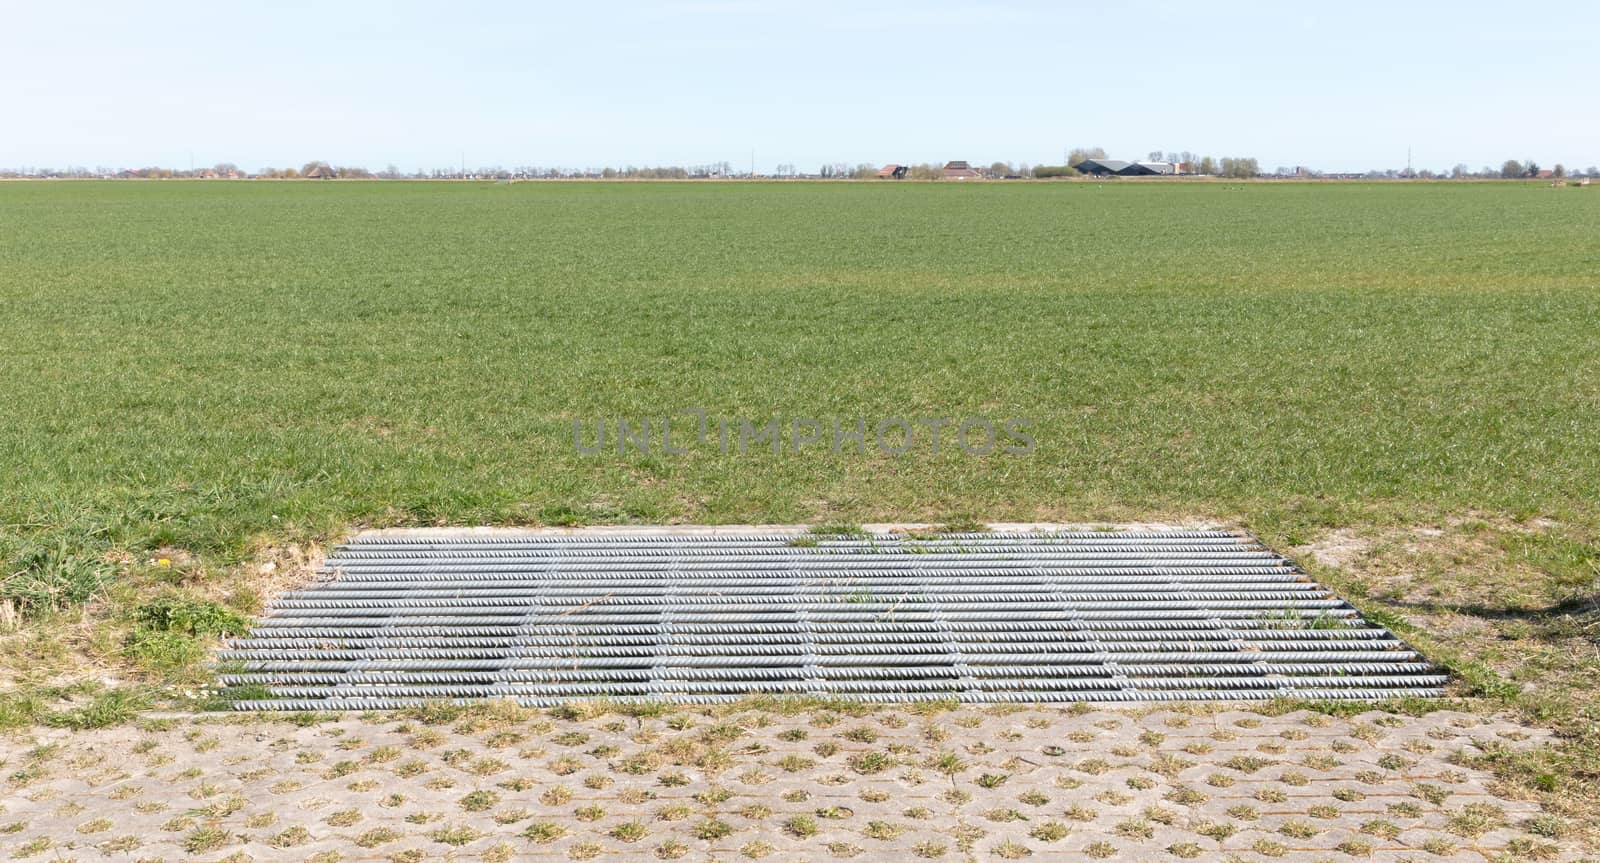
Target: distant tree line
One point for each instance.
(1231, 167)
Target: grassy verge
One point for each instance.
(1512, 610)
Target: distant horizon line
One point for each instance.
(725, 170)
(1331, 177)
(1230, 169)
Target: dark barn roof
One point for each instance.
(1146, 169)
(1101, 167)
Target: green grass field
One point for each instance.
(199, 371)
(184, 362)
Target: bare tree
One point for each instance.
(1239, 168)
(1079, 154)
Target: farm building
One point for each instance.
(960, 171)
(1119, 168)
(320, 172)
(893, 172)
(1149, 169)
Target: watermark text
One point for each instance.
(693, 430)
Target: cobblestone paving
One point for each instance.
(504, 784)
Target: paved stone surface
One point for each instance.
(498, 783)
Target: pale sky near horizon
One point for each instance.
(1339, 87)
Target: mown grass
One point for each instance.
(194, 371)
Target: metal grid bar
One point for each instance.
(987, 618)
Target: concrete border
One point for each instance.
(757, 529)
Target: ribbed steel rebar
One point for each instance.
(987, 618)
(799, 687)
(366, 676)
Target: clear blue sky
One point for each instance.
(1338, 86)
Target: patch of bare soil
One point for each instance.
(1338, 549)
(277, 568)
(1463, 564)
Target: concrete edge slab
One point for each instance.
(758, 529)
